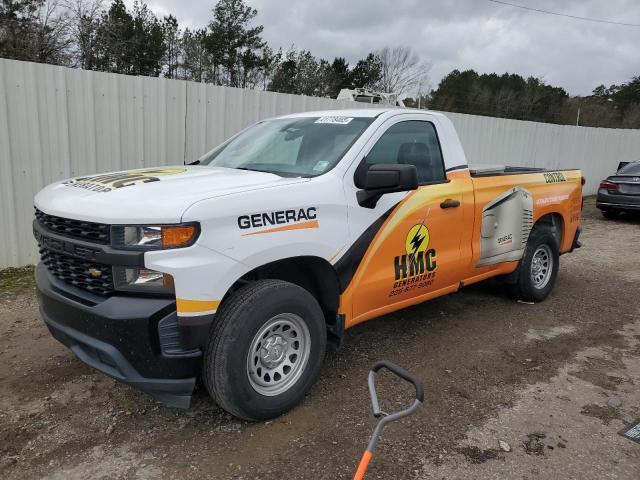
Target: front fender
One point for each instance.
(201, 275)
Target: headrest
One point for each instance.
(413, 153)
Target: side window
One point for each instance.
(412, 142)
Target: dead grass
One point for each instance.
(16, 280)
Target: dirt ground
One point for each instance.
(554, 382)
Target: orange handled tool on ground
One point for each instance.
(386, 417)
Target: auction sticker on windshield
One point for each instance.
(334, 120)
(321, 166)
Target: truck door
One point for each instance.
(411, 249)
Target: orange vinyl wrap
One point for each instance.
(294, 226)
(444, 243)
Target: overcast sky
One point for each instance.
(478, 34)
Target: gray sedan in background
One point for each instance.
(620, 192)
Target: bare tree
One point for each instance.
(51, 36)
(35, 30)
(172, 38)
(402, 70)
(85, 15)
(196, 62)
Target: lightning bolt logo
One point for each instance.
(417, 240)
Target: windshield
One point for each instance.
(299, 147)
(632, 168)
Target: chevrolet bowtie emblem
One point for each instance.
(94, 272)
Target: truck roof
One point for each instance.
(358, 112)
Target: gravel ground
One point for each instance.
(552, 383)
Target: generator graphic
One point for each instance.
(506, 223)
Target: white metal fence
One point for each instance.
(57, 122)
(596, 151)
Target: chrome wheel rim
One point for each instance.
(278, 354)
(541, 266)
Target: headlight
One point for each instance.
(143, 237)
(136, 279)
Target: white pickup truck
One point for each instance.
(241, 266)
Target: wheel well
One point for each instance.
(555, 222)
(314, 274)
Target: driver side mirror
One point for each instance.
(378, 179)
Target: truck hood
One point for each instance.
(148, 195)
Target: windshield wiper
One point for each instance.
(273, 172)
(252, 170)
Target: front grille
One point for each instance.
(78, 272)
(88, 231)
(82, 273)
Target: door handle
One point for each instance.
(448, 203)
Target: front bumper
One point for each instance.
(135, 340)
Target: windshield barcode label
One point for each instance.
(334, 120)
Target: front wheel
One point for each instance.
(538, 269)
(265, 350)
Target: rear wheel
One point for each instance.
(265, 350)
(538, 269)
(610, 214)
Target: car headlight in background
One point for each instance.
(139, 279)
(152, 237)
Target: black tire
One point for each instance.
(237, 323)
(611, 214)
(525, 288)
